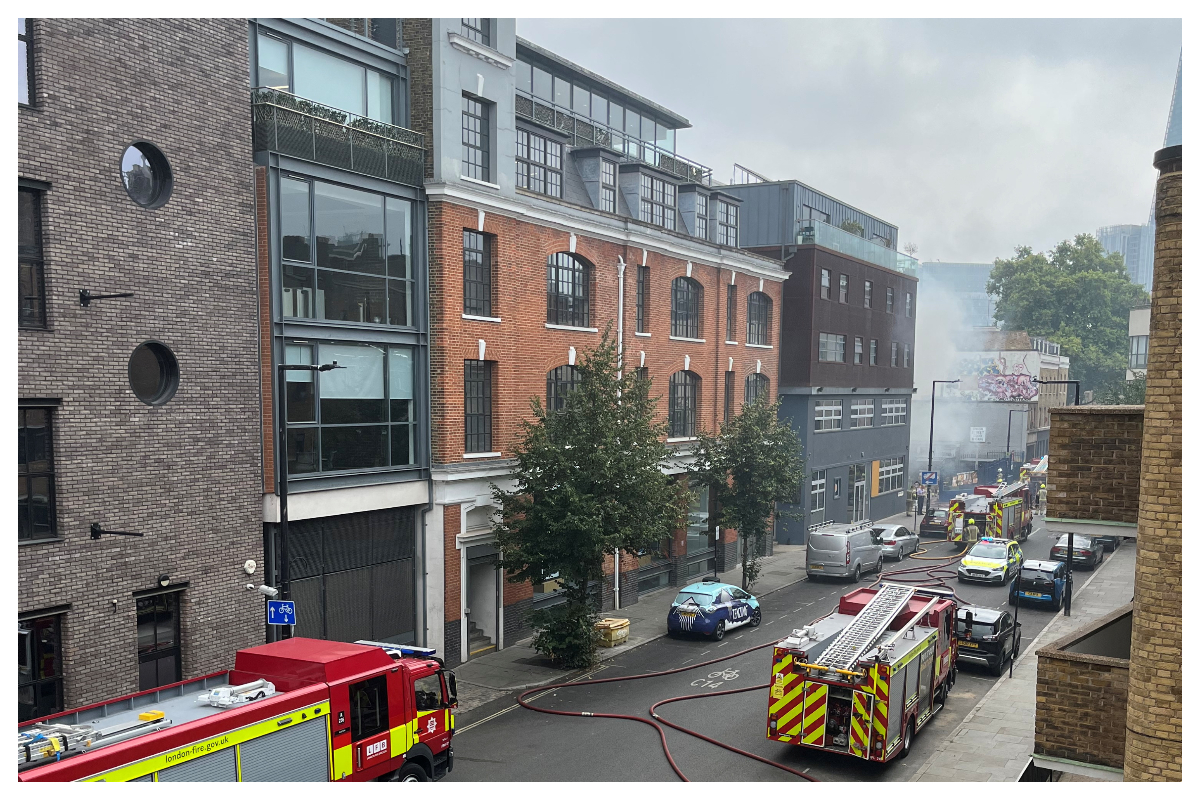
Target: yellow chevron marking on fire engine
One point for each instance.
(791, 690)
(858, 735)
(193, 751)
(783, 721)
(343, 762)
(815, 708)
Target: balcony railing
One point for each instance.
(814, 231)
(584, 132)
(296, 127)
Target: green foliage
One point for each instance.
(852, 226)
(566, 634)
(587, 482)
(752, 464)
(1120, 392)
(1076, 295)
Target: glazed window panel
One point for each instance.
(893, 412)
(31, 302)
(891, 300)
(826, 284)
(757, 386)
(477, 30)
(643, 300)
(891, 475)
(843, 288)
(477, 413)
(858, 350)
(730, 312)
(539, 164)
(868, 287)
(608, 186)
(727, 223)
(701, 216)
(657, 202)
(862, 413)
(827, 415)
(832, 347)
(35, 475)
(39, 667)
(477, 274)
(560, 382)
(729, 386)
(758, 319)
(686, 299)
(476, 149)
(568, 291)
(681, 402)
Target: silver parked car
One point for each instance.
(843, 551)
(897, 540)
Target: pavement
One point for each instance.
(519, 666)
(994, 742)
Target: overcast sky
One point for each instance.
(972, 136)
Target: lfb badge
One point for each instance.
(431, 726)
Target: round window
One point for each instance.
(146, 175)
(153, 373)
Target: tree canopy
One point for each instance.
(752, 464)
(587, 481)
(1076, 295)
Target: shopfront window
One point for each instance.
(158, 641)
(39, 667)
(699, 537)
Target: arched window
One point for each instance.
(686, 297)
(568, 291)
(757, 386)
(758, 319)
(560, 382)
(681, 404)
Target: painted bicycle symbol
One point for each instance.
(715, 679)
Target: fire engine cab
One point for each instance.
(1005, 511)
(865, 678)
(293, 710)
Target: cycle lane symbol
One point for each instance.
(717, 678)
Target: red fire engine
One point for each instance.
(1000, 512)
(294, 710)
(865, 678)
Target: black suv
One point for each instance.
(986, 636)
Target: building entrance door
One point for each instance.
(859, 501)
(482, 593)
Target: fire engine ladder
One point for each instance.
(867, 628)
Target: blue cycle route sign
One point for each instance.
(929, 478)
(281, 612)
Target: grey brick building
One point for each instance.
(140, 413)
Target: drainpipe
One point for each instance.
(620, 364)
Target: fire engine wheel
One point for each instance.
(412, 773)
(719, 631)
(909, 730)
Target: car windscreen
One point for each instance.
(977, 630)
(1081, 542)
(987, 551)
(696, 597)
(939, 514)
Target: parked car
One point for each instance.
(990, 561)
(1088, 553)
(986, 636)
(934, 523)
(843, 551)
(897, 540)
(1041, 582)
(711, 608)
(1110, 543)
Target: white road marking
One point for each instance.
(772, 622)
(685, 662)
(706, 652)
(722, 644)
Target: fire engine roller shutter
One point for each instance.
(144, 779)
(298, 753)
(220, 766)
(353, 576)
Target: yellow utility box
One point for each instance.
(613, 631)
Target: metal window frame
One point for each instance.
(37, 680)
(757, 385)
(701, 215)
(895, 354)
(857, 405)
(479, 374)
(30, 84)
(412, 424)
(477, 277)
(560, 382)
(27, 476)
(175, 649)
(730, 312)
(687, 302)
(858, 350)
(891, 300)
(843, 288)
(36, 261)
(893, 411)
(653, 193)
(410, 280)
(868, 300)
(480, 32)
(608, 188)
(727, 223)
(572, 309)
(891, 474)
(551, 182)
(683, 390)
(874, 353)
(758, 318)
(826, 421)
(643, 299)
(476, 162)
(729, 379)
(826, 284)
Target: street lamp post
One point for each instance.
(1008, 435)
(285, 586)
(932, 409)
(1075, 384)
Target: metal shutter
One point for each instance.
(299, 753)
(144, 779)
(310, 612)
(215, 767)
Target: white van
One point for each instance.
(843, 550)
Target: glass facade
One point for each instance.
(323, 78)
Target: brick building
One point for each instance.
(558, 207)
(137, 414)
(848, 333)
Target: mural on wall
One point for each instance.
(998, 376)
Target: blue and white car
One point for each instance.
(711, 608)
(1043, 582)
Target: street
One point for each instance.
(498, 741)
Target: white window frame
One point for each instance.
(817, 495)
(727, 223)
(831, 344)
(827, 416)
(862, 409)
(701, 216)
(893, 411)
(608, 189)
(891, 474)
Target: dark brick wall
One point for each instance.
(186, 474)
(418, 38)
(452, 651)
(516, 621)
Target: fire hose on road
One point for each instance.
(662, 735)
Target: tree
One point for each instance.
(911, 249)
(752, 464)
(587, 481)
(1076, 295)
(1122, 392)
(852, 226)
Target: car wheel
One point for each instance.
(998, 670)
(719, 631)
(909, 730)
(1012, 600)
(857, 572)
(1058, 605)
(412, 773)
(756, 618)
(879, 565)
